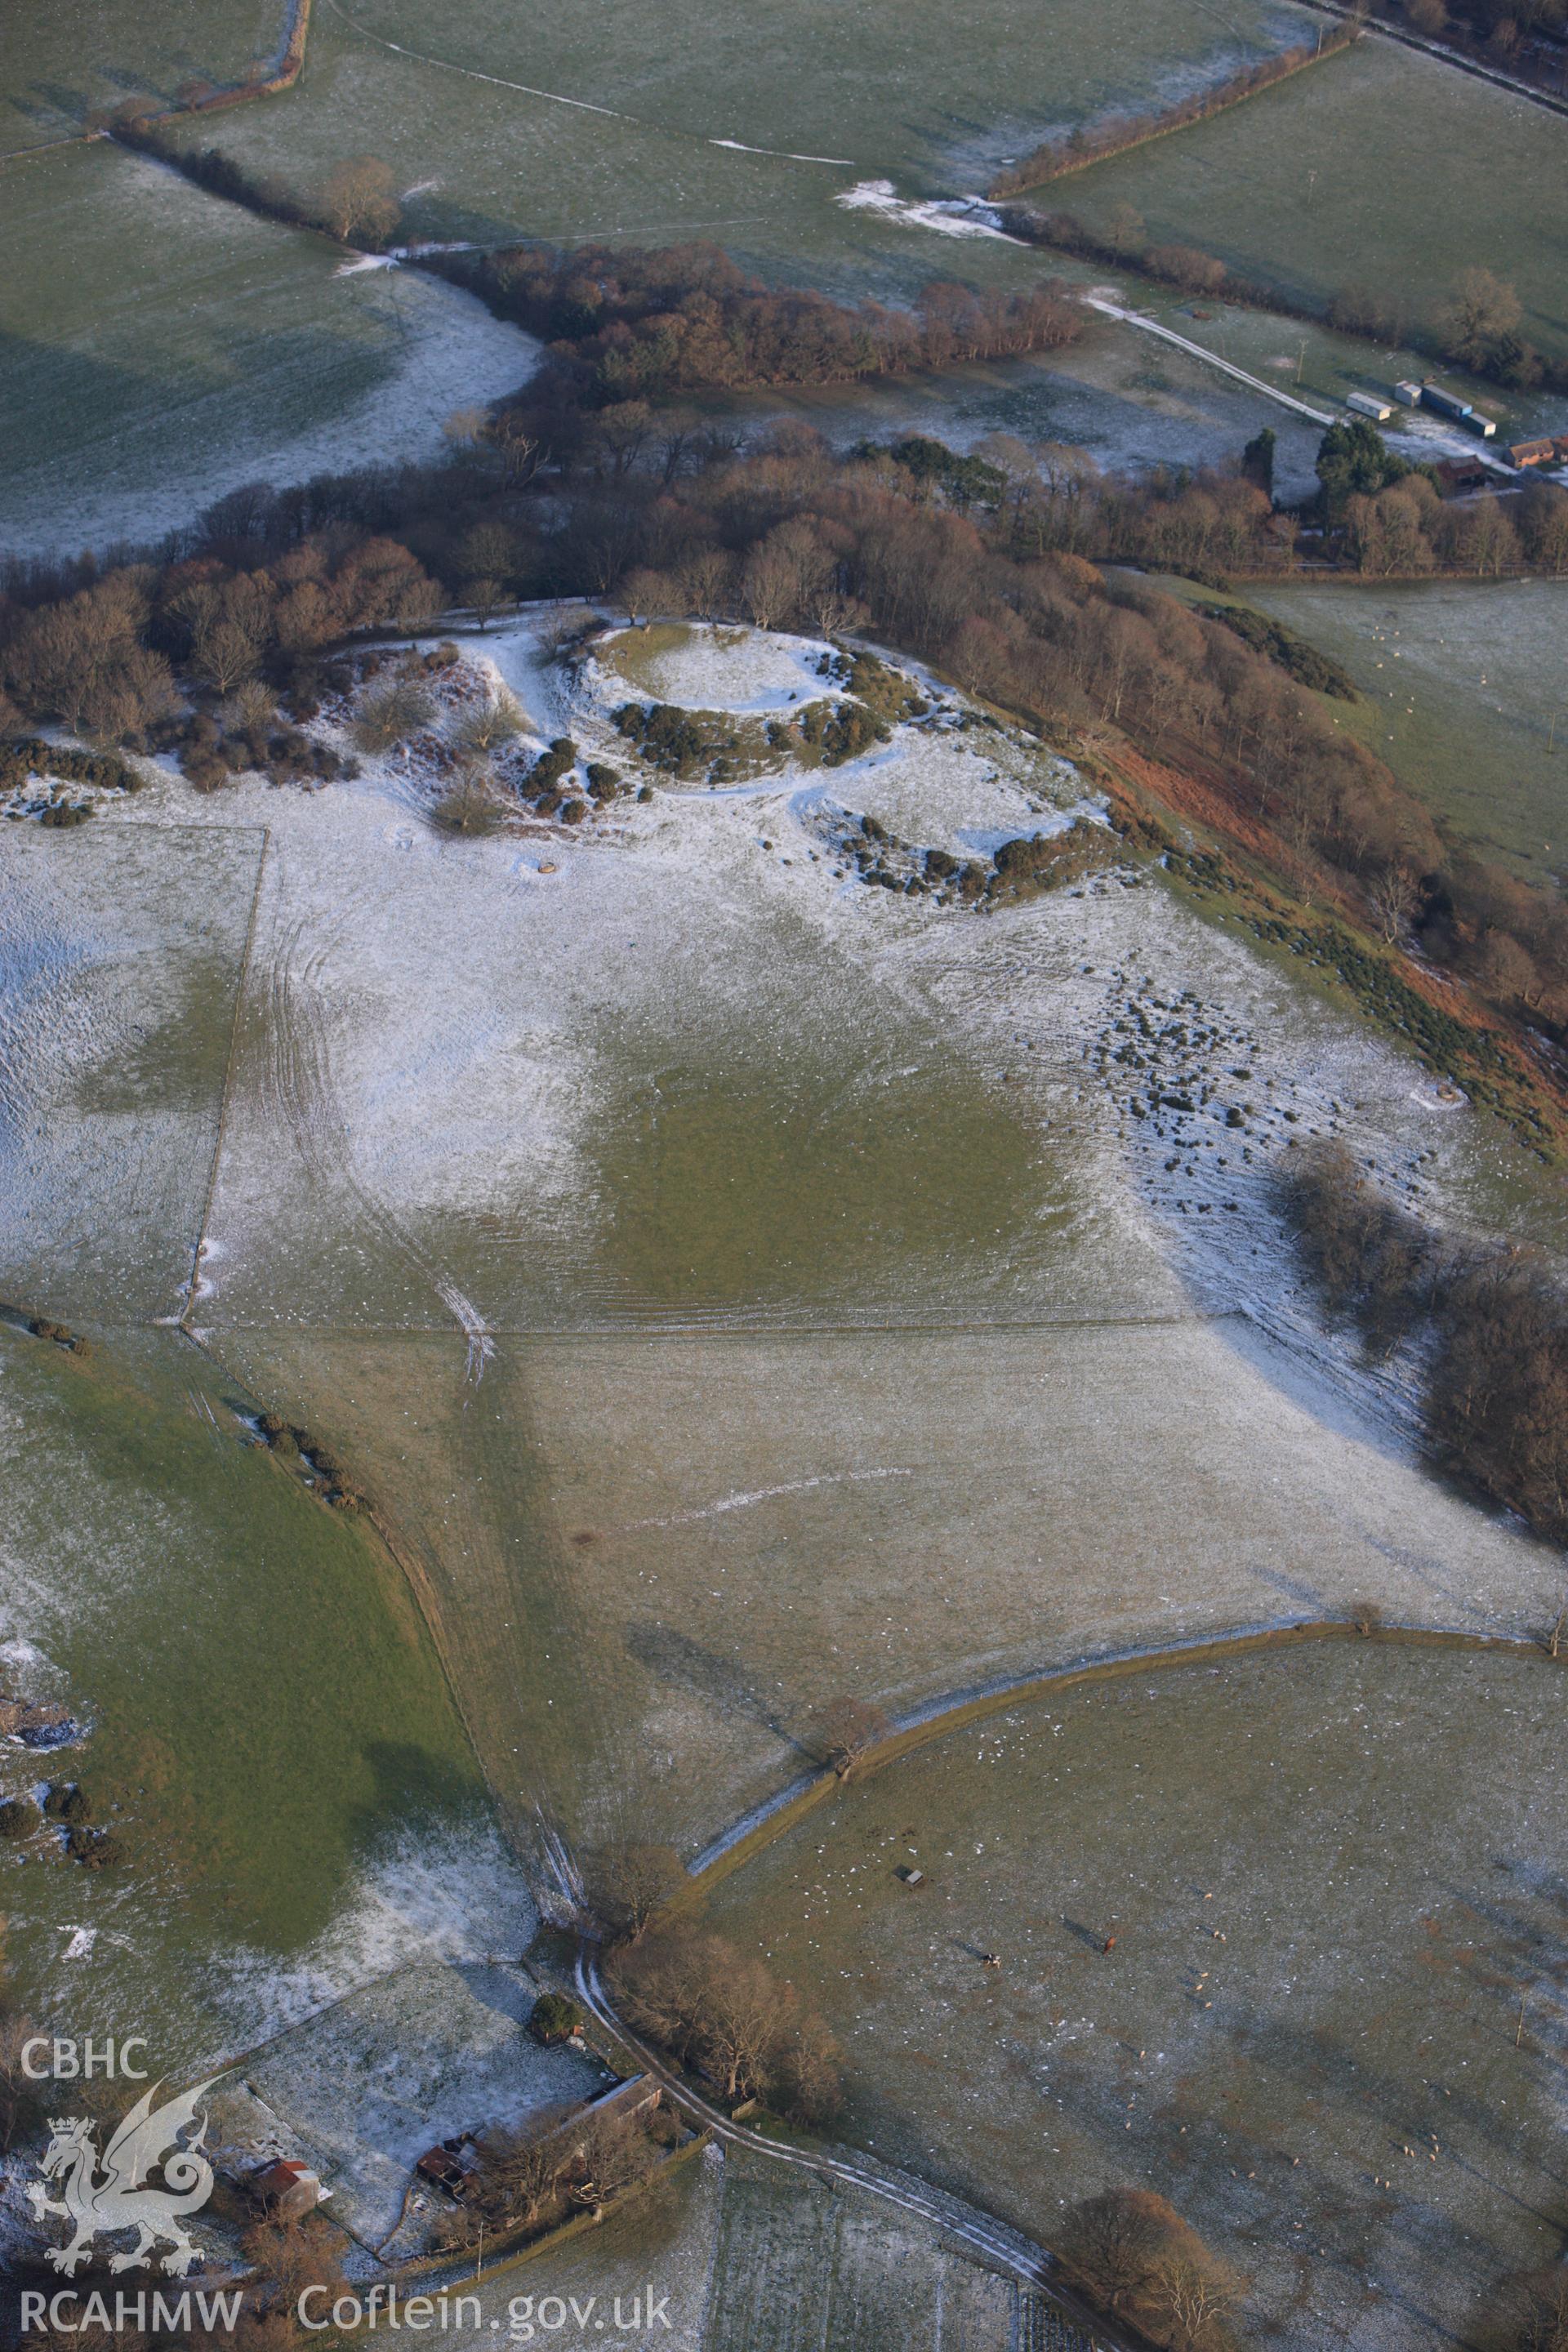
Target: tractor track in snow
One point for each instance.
(300, 1075)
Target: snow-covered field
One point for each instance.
(741, 2253)
(423, 2054)
(733, 1284)
(161, 349)
(119, 963)
(701, 1253)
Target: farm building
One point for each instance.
(633, 2096)
(1551, 450)
(442, 2166)
(1457, 475)
(288, 2189)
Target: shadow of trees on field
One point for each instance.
(720, 1683)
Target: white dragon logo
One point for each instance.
(92, 2202)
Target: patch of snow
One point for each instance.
(766, 1495)
(749, 672)
(947, 215)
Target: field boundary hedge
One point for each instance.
(1445, 54)
(1056, 159)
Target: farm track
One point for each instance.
(764, 1824)
(299, 1074)
(1000, 2247)
(674, 1328)
(995, 2242)
(240, 985)
(1512, 83)
(1198, 351)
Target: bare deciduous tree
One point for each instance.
(468, 804)
(520, 452)
(1395, 896)
(492, 722)
(1543, 2317)
(612, 2155)
(1114, 2242)
(515, 2173)
(359, 201)
(630, 1885)
(484, 596)
(724, 2013)
(703, 577)
(1194, 2297)
(391, 713)
(1481, 310)
(844, 1730)
(226, 653)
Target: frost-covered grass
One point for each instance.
(1327, 180)
(60, 63)
(422, 2054)
(736, 669)
(755, 2258)
(733, 1284)
(822, 1263)
(683, 148)
(1331, 1877)
(159, 348)
(1462, 680)
(268, 1733)
(661, 2242)
(1110, 394)
(120, 962)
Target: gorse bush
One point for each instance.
(493, 723)
(391, 713)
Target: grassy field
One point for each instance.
(754, 2258)
(659, 1088)
(731, 1287)
(879, 91)
(1382, 167)
(267, 1724)
(1460, 684)
(157, 349)
(120, 950)
(63, 62)
(1332, 1876)
(1325, 366)
(799, 2265)
(1463, 681)
(191, 349)
(821, 1273)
